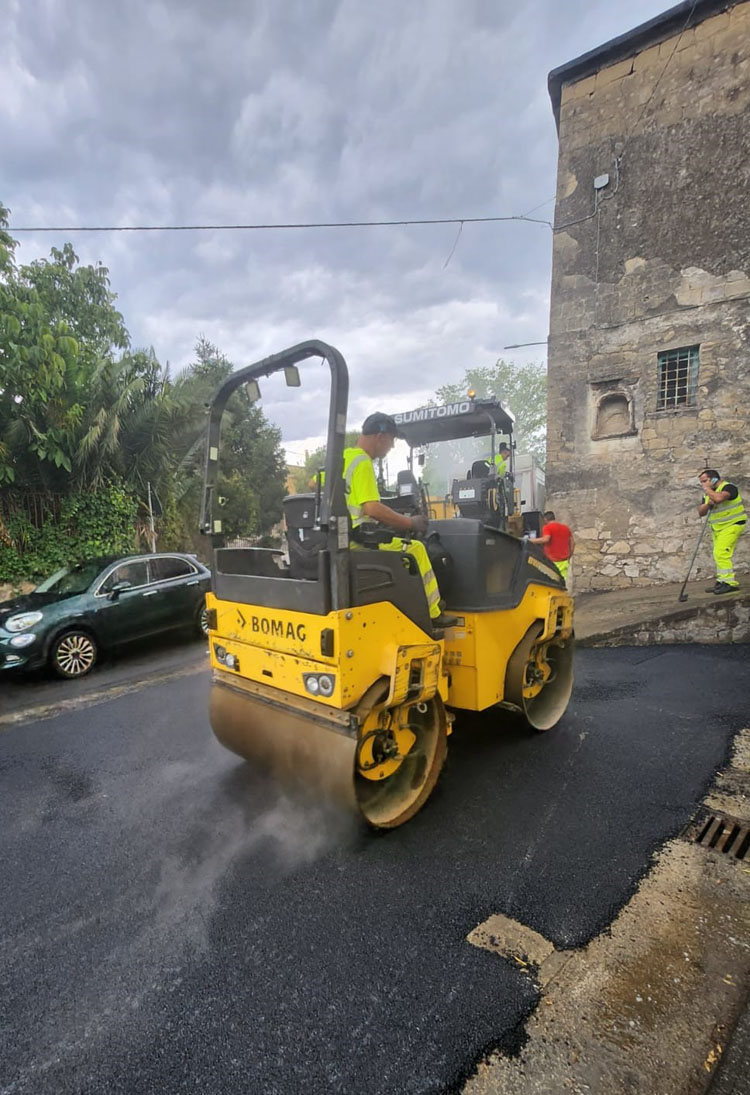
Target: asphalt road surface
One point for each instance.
(171, 922)
(122, 667)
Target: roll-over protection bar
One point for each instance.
(333, 502)
(334, 515)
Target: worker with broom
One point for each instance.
(722, 503)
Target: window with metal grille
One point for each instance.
(678, 378)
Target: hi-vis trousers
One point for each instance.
(418, 552)
(725, 541)
(563, 565)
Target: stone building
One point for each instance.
(649, 350)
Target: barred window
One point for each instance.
(678, 378)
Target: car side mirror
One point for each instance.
(117, 589)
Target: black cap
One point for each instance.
(380, 423)
(502, 447)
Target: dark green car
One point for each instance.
(93, 606)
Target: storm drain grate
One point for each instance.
(724, 834)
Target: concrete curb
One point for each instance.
(702, 620)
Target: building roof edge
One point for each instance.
(682, 16)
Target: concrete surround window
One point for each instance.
(678, 377)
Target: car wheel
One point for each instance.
(73, 654)
(201, 621)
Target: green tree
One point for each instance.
(304, 478)
(80, 297)
(523, 388)
(252, 466)
(133, 423)
(80, 409)
(57, 322)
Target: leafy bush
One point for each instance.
(90, 525)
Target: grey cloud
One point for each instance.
(182, 112)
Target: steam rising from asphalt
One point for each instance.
(242, 825)
(228, 831)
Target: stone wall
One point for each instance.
(657, 259)
(714, 623)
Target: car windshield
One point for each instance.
(72, 579)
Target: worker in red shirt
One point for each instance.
(558, 542)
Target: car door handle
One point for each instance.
(151, 593)
(193, 582)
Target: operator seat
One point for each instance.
(407, 483)
(304, 536)
(375, 575)
(480, 469)
(406, 499)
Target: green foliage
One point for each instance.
(80, 297)
(90, 525)
(80, 409)
(303, 479)
(252, 466)
(132, 423)
(172, 532)
(57, 321)
(522, 387)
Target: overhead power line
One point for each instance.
(271, 227)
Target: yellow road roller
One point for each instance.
(326, 670)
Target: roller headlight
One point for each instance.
(326, 684)
(319, 684)
(22, 621)
(231, 661)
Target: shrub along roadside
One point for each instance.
(90, 525)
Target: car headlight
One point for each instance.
(19, 641)
(22, 621)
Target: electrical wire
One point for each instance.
(455, 244)
(545, 202)
(460, 221)
(274, 227)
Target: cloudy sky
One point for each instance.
(283, 111)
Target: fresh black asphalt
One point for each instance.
(121, 667)
(171, 923)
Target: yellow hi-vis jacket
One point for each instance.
(728, 512)
(360, 484)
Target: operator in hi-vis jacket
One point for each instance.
(726, 516)
(363, 499)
